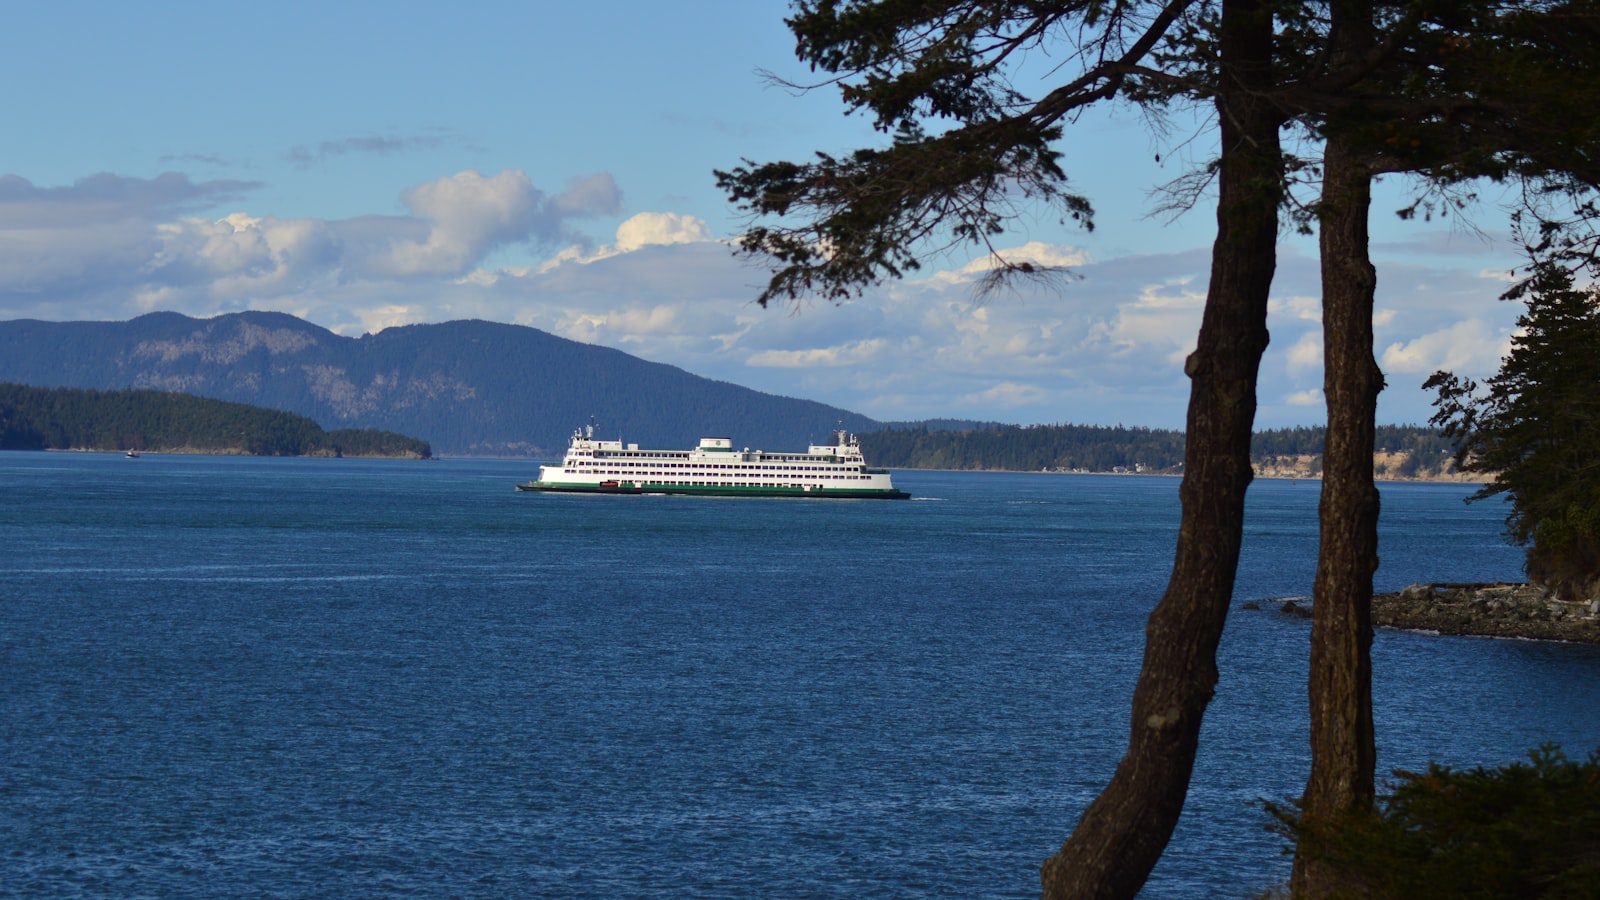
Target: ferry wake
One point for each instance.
(594, 466)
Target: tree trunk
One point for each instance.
(1343, 756)
(1342, 749)
(1122, 834)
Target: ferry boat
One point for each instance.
(594, 466)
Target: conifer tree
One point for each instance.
(1535, 428)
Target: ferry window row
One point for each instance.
(741, 467)
(699, 474)
(723, 484)
(660, 454)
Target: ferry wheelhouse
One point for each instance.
(715, 467)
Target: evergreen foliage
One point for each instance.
(1106, 448)
(964, 146)
(70, 419)
(1524, 830)
(1535, 426)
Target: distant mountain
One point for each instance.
(469, 387)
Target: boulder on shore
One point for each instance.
(1500, 609)
(1489, 610)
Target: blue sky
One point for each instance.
(369, 165)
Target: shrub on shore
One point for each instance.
(1522, 830)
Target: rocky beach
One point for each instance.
(1504, 610)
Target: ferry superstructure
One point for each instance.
(595, 466)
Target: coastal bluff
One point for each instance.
(1480, 609)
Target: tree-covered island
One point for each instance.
(33, 418)
(1402, 452)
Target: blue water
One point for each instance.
(288, 677)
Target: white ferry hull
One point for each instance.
(717, 490)
(715, 469)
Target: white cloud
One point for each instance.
(1006, 394)
(646, 229)
(842, 355)
(626, 325)
(1301, 307)
(1311, 397)
(1468, 347)
(1306, 354)
(376, 318)
(468, 214)
(109, 238)
(650, 229)
(59, 242)
(1165, 316)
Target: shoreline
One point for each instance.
(1472, 609)
(1259, 476)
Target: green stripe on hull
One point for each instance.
(711, 490)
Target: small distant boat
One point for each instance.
(132, 454)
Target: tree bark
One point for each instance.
(1343, 756)
(1123, 832)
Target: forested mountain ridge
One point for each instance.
(78, 419)
(467, 387)
(1404, 451)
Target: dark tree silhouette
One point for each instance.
(1535, 427)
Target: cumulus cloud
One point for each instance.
(1165, 314)
(1306, 354)
(645, 229)
(58, 242)
(116, 236)
(1311, 397)
(648, 229)
(467, 215)
(1468, 347)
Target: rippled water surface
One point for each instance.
(243, 676)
